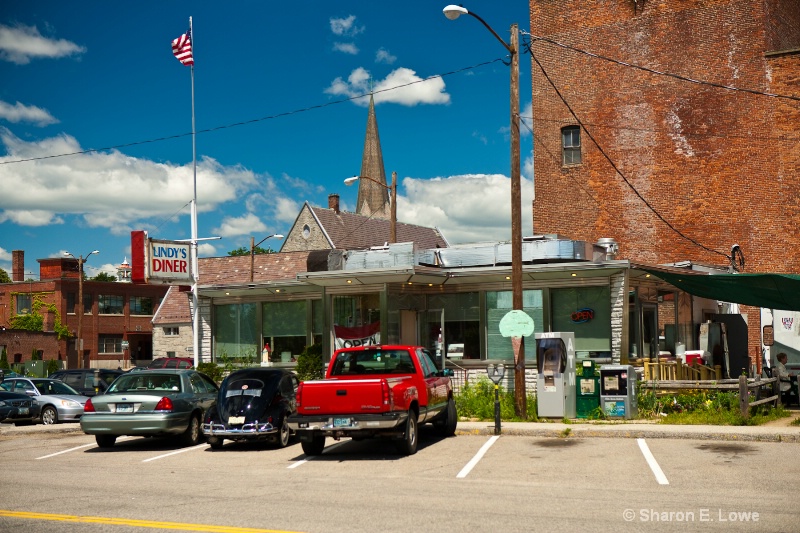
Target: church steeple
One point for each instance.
(373, 199)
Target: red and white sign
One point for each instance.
(367, 335)
(160, 262)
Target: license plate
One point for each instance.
(23, 410)
(236, 420)
(124, 408)
(341, 422)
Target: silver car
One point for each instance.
(58, 401)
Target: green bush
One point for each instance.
(309, 363)
(476, 400)
(4, 360)
(212, 370)
(52, 366)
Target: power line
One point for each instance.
(251, 121)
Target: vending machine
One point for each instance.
(618, 391)
(555, 381)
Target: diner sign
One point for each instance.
(159, 261)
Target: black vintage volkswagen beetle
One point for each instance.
(252, 404)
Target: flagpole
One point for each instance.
(195, 267)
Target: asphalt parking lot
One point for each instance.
(474, 481)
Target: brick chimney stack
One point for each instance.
(333, 202)
(17, 265)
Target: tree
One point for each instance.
(4, 276)
(242, 250)
(104, 276)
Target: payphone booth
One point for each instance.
(555, 381)
(618, 391)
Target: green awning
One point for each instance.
(773, 291)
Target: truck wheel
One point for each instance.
(447, 426)
(408, 446)
(314, 446)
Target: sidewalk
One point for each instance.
(777, 431)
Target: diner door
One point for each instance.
(431, 333)
(650, 331)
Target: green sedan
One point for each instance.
(151, 403)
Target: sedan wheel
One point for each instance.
(49, 416)
(191, 436)
(283, 436)
(105, 441)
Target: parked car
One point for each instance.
(252, 404)
(58, 402)
(151, 403)
(87, 381)
(171, 362)
(19, 409)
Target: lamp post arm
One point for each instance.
(507, 46)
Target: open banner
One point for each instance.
(367, 335)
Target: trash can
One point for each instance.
(618, 391)
(588, 389)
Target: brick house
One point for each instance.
(697, 167)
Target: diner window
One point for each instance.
(357, 320)
(461, 325)
(571, 145)
(109, 344)
(236, 330)
(586, 311)
(285, 328)
(171, 331)
(23, 304)
(141, 305)
(498, 304)
(110, 304)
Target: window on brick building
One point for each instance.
(110, 304)
(141, 305)
(571, 145)
(109, 344)
(23, 304)
(72, 297)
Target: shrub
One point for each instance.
(211, 370)
(52, 366)
(309, 363)
(476, 400)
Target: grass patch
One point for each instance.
(476, 400)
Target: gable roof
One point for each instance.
(349, 231)
(175, 308)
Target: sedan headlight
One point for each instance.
(70, 403)
(2, 403)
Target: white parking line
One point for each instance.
(307, 459)
(651, 461)
(66, 451)
(478, 456)
(175, 452)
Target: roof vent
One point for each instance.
(611, 246)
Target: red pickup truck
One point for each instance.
(375, 391)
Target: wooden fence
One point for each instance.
(675, 370)
(743, 385)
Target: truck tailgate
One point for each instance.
(342, 396)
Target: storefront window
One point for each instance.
(235, 331)
(356, 320)
(461, 336)
(284, 329)
(586, 311)
(498, 304)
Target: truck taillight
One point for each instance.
(299, 394)
(386, 392)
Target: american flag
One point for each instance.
(182, 48)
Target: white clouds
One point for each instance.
(247, 224)
(477, 209)
(347, 48)
(108, 190)
(402, 86)
(383, 56)
(346, 27)
(22, 43)
(22, 113)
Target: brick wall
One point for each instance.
(719, 166)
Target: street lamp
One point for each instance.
(81, 260)
(452, 12)
(253, 245)
(393, 189)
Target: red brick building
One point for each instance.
(116, 325)
(680, 170)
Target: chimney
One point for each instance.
(18, 265)
(333, 202)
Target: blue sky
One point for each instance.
(274, 85)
